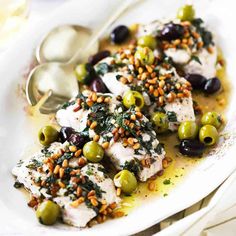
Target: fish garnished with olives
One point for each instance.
(105, 141)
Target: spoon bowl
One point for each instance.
(61, 44)
(58, 78)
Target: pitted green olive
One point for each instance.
(160, 120)
(147, 41)
(48, 212)
(144, 55)
(93, 151)
(126, 181)
(208, 135)
(186, 13)
(188, 130)
(212, 118)
(133, 98)
(47, 135)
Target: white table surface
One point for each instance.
(220, 220)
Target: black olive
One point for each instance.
(212, 85)
(196, 80)
(191, 148)
(78, 140)
(120, 34)
(65, 133)
(94, 59)
(171, 31)
(98, 86)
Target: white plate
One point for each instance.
(15, 133)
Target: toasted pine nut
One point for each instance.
(78, 153)
(61, 184)
(105, 145)
(96, 138)
(56, 169)
(118, 191)
(78, 191)
(94, 202)
(93, 125)
(151, 186)
(73, 148)
(65, 163)
(61, 172)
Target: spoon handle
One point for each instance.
(82, 54)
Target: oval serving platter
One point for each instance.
(16, 133)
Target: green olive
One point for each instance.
(84, 73)
(208, 135)
(186, 13)
(126, 181)
(188, 130)
(160, 120)
(47, 135)
(48, 212)
(133, 98)
(145, 55)
(147, 41)
(93, 151)
(212, 118)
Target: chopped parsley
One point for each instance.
(66, 155)
(196, 58)
(18, 184)
(205, 34)
(34, 164)
(171, 116)
(133, 166)
(166, 182)
(102, 68)
(67, 104)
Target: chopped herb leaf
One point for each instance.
(166, 181)
(195, 58)
(102, 68)
(133, 166)
(171, 116)
(34, 164)
(18, 184)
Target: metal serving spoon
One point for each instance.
(59, 78)
(61, 43)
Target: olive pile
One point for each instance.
(193, 139)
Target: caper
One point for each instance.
(212, 118)
(208, 135)
(186, 13)
(160, 121)
(187, 130)
(144, 55)
(47, 135)
(48, 212)
(93, 151)
(126, 181)
(133, 98)
(147, 41)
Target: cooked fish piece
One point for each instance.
(195, 51)
(40, 180)
(129, 143)
(166, 85)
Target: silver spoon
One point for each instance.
(60, 77)
(61, 43)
